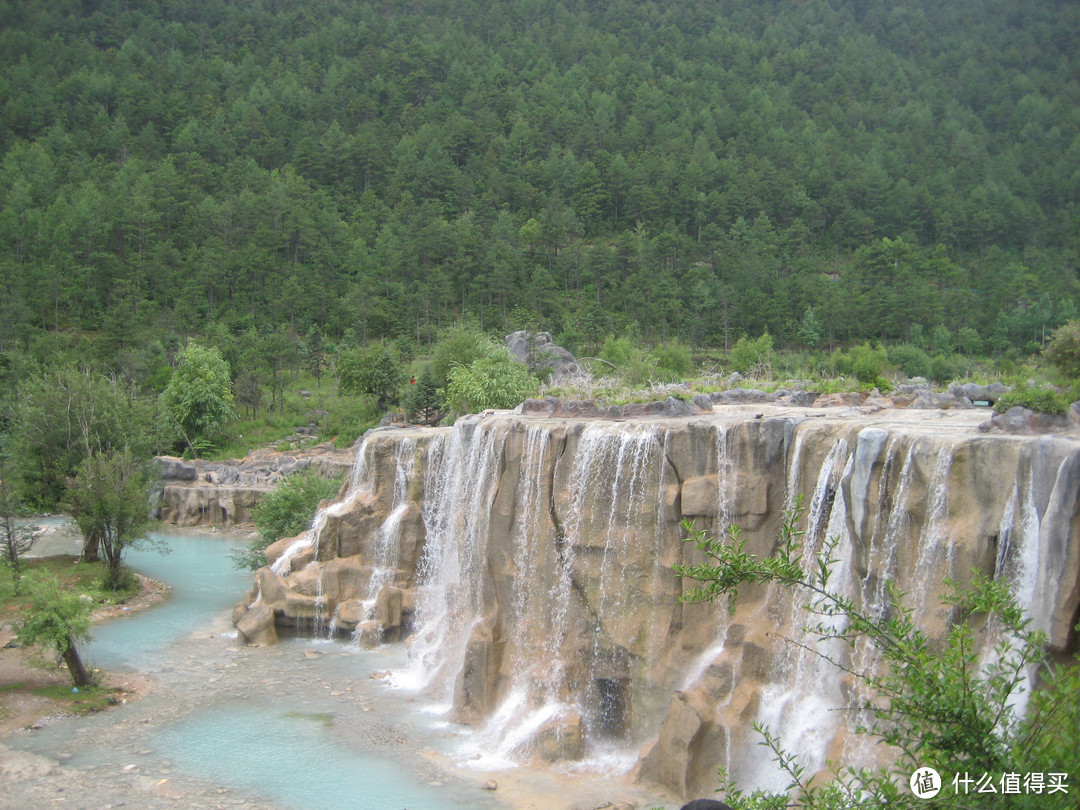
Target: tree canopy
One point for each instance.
(698, 170)
(199, 396)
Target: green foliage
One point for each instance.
(374, 371)
(910, 359)
(496, 380)
(969, 341)
(1063, 350)
(810, 330)
(108, 500)
(279, 168)
(864, 362)
(459, 345)
(934, 702)
(1042, 400)
(422, 401)
(633, 364)
(199, 397)
(752, 356)
(946, 367)
(65, 414)
(618, 351)
(673, 361)
(57, 618)
(286, 512)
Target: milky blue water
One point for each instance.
(295, 758)
(204, 583)
(293, 752)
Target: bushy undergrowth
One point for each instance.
(1043, 400)
(286, 512)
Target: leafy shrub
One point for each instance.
(199, 395)
(459, 345)
(496, 380)
(910, 359)
(1043, 400)
(618, 351)
(1063, 350)
(372, 371)
(748, 354)
(946, 367)
(863, 362)
(286, 512)
(634, 365)
(673, 361)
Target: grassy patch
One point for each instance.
(71, 573)
(86, 700)
(334, 416)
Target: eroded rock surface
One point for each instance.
(222, 493)
(527, 558)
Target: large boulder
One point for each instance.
(561, 739)
(256, 625)
(666, 760)
(1020, 420)
(537, 351)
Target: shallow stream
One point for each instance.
(298, 725)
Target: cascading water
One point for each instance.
(796, 704)
(536, 553)
(936, 559)
(361, 480)
(386, 556)
(726, 471)
(459, 485)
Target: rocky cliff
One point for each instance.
(222, 493)
(528, 559)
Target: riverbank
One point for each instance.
(35, 691)
(300, 724)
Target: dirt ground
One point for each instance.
(23, 670)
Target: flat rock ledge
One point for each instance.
(911, 395)
(222, 493)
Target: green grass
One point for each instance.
(337, 418)
(87, 700)
(70, 572)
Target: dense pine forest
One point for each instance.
(700, 171)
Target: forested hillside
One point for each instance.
(699, 170)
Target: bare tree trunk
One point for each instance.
(91, 543)
(75, 666)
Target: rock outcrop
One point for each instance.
(538, 352)
(527, 558)
(222, 493)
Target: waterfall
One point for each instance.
(361, 480)
(726, 470)
(534, 558)
(791, 490)
(459, 485)
(802, 688)
(881, 565)
(386, 552)
(936, 554)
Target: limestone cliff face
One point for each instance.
(223, 493)
(528, 559)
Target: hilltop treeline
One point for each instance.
(699, 170)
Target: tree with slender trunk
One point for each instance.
(109, 498)
(59, 619)
(15, 540)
